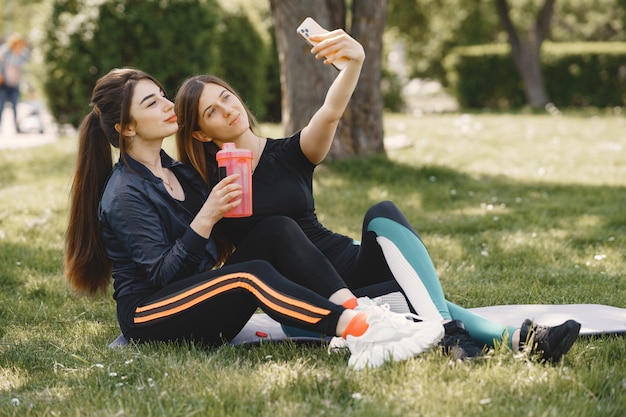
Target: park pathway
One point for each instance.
(10, 139)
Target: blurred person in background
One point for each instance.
(14, 54)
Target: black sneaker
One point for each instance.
(550, 342)
(458, 343)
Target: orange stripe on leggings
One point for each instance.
(215, 281)
(237, 284)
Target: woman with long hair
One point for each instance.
(148, 222)
(390, 255)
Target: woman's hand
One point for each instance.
(316, 137)
(337, 45)
(225, 196)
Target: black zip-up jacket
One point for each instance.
(146, 231)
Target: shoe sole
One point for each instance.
(573, 328)
(377, 355)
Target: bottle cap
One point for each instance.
(229, 150)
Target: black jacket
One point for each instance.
(146, 231)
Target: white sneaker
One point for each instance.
(338, 344)
(391, 336)
(395, 300)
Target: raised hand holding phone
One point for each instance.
(310, 28)
(346, 54)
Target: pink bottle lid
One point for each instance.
(229, 150)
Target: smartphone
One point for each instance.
(310, 27)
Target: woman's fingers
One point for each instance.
(336, 45)
(224, 196)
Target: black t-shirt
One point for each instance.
(282, 184)
(193, 200)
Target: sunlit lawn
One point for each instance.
(514, 209)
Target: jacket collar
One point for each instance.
(166, 160)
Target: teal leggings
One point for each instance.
(412, 268)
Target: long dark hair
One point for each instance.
(87, 267)
(200, 155)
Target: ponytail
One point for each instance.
(87, 267)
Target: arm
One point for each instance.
(224, 196)
(157, 241)
(316, 138)
(147, 239)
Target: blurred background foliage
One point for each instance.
(169, 39)
(429, 29)
(577, 74)
(77, 41)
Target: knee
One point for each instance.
(383, 209)
(278, 223)
(282, 221)
(257, 267)
(282, 227)
(386, 206)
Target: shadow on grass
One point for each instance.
(453, 202)
(494, 240)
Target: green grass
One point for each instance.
(513, 208)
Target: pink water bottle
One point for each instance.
(231, 160)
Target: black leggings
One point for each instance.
(363, 266)
(291, 252)
(280, 241)
(212, 307)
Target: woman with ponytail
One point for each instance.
(148, 222)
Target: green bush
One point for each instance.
(168, 39)
(584, 74)
(250, 65)
(484, 76)
(392, 91)
(575, 74)
(243, 60)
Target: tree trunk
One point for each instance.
(526, 50)
(305, 81)
(528, 61)
(362, 133)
